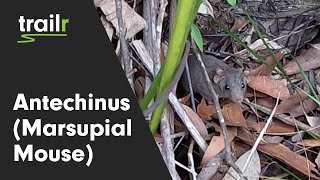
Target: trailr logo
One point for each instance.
(54, 26)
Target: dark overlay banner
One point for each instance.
(67, 109)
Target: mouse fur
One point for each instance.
(228, 82)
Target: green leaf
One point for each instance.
(196, 35)
(232, 2)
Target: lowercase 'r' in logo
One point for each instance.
(53, 27)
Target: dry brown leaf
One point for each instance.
(264, 70)
(217, 145)
(268, 86)
(289, 157)
(247, 136)
(307, 106)
(205, 111)
(275, 127)
(197, 121)
(184, 99)
(309, 142)
(233, 116)
(273, 139)
(308, 59)
(266, 102)
(133, 21)
(291, 102)
(314, 121)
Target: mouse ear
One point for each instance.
(245, 73)
(219, 72)
(218, 76)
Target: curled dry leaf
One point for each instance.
(309, 142)
(206, 8)
(314, 121)
(264, 70)
(232, 113)
(269, 86)
(132, 20)
(184, 99)
(197, 121)
(205, 111)
(217, 145)
(308, 59)
(276, 127)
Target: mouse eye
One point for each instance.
(227, 87)
(242, 85)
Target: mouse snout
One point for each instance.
(237, 99)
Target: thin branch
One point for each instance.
(126, 61)
(191, 161)
(161, 12)
(193, 104)
(167, 143)
(187, 122)
(263, 131)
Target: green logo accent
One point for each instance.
(28, 38)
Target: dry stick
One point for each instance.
(187, 122)
(263, 131)
(162, 9)
(173, 82)
(167, 143)
(211, 168)
(219, 112)
(124, 48)
(180, 140)
(147, 37)
(183, 167)
(191, 161)
(190, 87)
(153, 14)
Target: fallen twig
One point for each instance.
(191, 161)
(167, 143)
(211, 167)
(263, 131)
(215, 98)
(126, 61)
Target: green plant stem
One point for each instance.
(186, 13)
